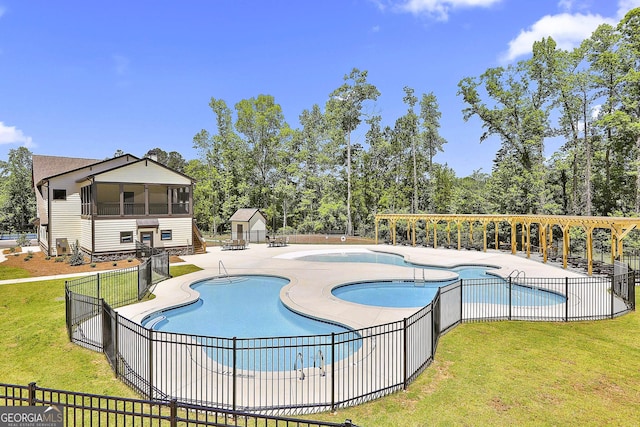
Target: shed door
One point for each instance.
(239, 231)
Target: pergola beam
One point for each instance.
(620, 228)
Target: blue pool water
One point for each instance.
(407, 294)
(387, 293)
(249, 306)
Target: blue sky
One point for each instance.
(86, 78)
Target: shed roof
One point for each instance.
(245, 214)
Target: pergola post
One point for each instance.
(565, 245)
(459, 223)
(484, 236)
(376, 224)
(435, 235)
(495, 223)
(589, 231)
(514, 236)
(393, 231)
(543, 241)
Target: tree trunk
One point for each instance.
(349, 225)
(414, 207)
(638, 174)
(587, 172)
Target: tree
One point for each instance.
(516, 112)
(223, 156)
(628, 117)
(18, 201)
(344, 109)
(430, 116)
(262, 123)
(173, 159)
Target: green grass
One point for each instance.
(500, 373)
(7, 273)
(521, 373)
(35, 347)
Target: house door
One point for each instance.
(239, 231)
(146, 238)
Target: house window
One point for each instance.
(165, 235)
(126, 236)
(85, 199)
(59, 194)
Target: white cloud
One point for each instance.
(625, 6)
(11, 135)
(565, 5)
(595, 111)
(440, 8)
(568, 30)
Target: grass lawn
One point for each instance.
(500, 373)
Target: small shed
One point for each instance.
(249, 224)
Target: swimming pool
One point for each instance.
(249, 308)
(409, 294)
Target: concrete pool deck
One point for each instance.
(309, 291)
(180, 366)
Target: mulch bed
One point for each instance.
(38, 265)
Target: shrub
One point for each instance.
(115, 264)
(93, 265)
(77, 257)
(27, 258)
(129, 259)
(12, 250)
(47, 258)
(60, 258)
(16, 254)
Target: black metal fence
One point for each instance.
(85, 295)
(304, 374)
(91, 409)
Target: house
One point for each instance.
(109, 205)
(248, 224)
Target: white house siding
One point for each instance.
(143, 172)
(85, 231)
(67, 218)
(108, 235)
(43, 235)
(181, 233)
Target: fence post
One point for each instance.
(32, 394)
(151, 363)
(333, 371)
(613, 292)
(461, 300)
(566, 299)
(233, 390)
(98, 286)
(510, 295)
(116, 349)
(173, 410)
(404, 350)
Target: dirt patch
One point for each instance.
(38, 265)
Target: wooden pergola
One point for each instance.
(619, 228)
